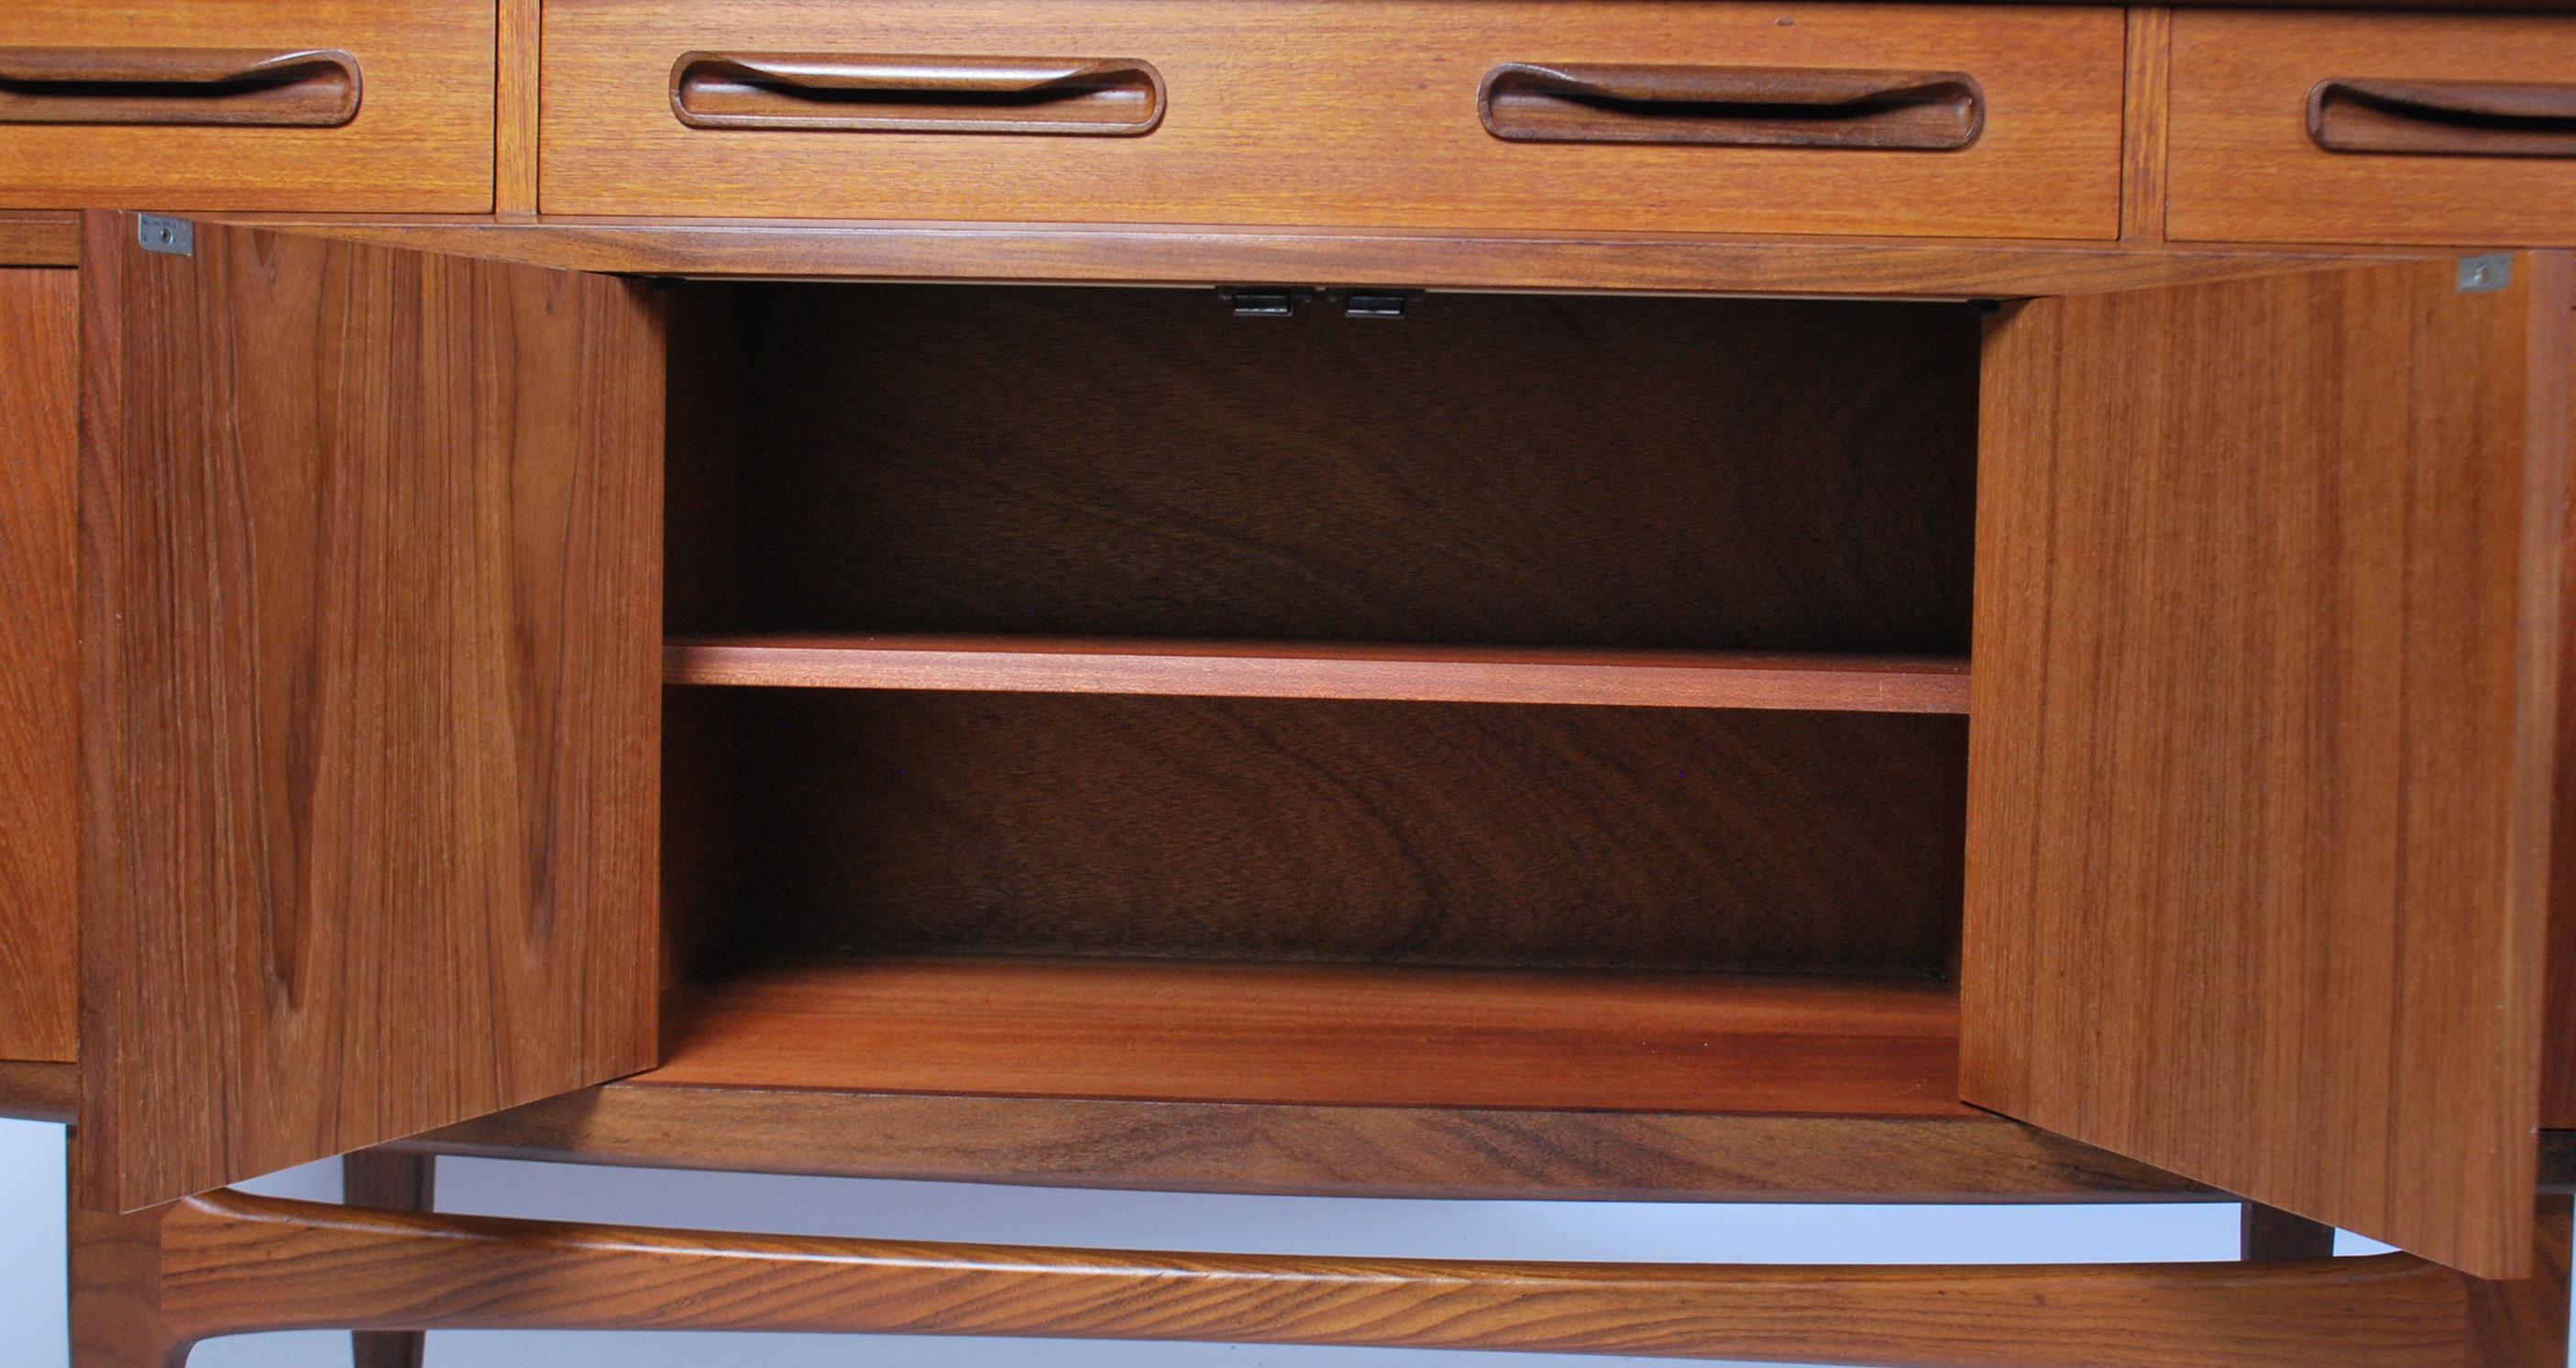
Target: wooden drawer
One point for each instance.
(2444, 121)
(196, 124)
(1343, 112)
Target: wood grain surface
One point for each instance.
(232, 1263)
(34, 237)
(2145, 122)
(2558, 1033)
(1221, 829)
(2246, 170)
(519, 78)
(421, 141)
(2523, 1323)
(1324, 1035)
(1370, 1151)
(1139, 254)
(1661, 679)
(39, 663)
(1347, 112)
(1647, 473)
(2265, 685)
(371, 619)
(38, 1091)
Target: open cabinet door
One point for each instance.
(370, 605)
(2261, 742)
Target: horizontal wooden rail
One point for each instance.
(37, 1091)
(1664, 679)
(232, 1264)
(1164, 254)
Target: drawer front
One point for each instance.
(1345, 112)
(2450, 129)
(211, 109)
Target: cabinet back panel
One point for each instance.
(1341, 831)
(1492, 469)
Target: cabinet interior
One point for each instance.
(1322, 896)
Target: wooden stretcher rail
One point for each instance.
(229, 1263)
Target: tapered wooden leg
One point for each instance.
(2272, 1235)
(388, 1180)
(115, 1267)
(2524, 1324)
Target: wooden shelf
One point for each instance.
(1663, 679)
(1315, 1035)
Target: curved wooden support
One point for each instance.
(234, 1264)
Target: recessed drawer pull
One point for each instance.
(2443, 118)
(233, 87)
(1102, 97)
(1925, 111)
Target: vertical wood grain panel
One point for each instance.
(2558, 1041)
(514, 141)
(39, 670)
(2145, 109)
(370, 605)
(2260, 762)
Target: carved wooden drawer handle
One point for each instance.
(1920, 111)
(232, 87)
(2443, 118)
(1100, 97)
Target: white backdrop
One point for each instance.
(31, 1268)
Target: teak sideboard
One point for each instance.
(1542, 598)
